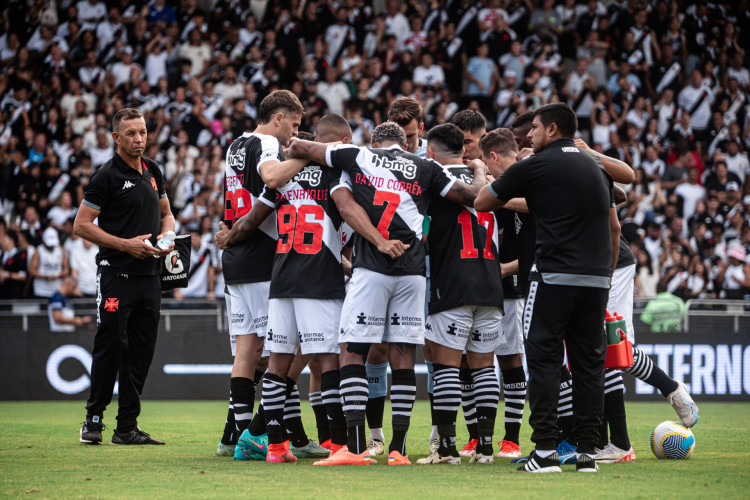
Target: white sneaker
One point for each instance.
(434, 445)
(611, 454)
(375, 447)
(478, 458)
(434, 458)
(684, 405)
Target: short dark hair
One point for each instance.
(446, 138)
(500, 140)
(279, 100)
(333, 125)
(125, 114)
(305, 136)
(404, 110)
(522, 120)
(560, 114)
(389, 132)
(469, 120)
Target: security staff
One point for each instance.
(127, 195)
(571, 198)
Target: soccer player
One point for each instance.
(248, 158)
(465, 304)
(386, 296)
(571, 199)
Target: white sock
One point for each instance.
(433, 434)
(377, 434)
(579, 455)
(544, 453)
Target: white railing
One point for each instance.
(735, 308)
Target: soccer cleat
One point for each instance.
(91, 430)
(435, 458)
(279, 453)
(375, 447)
(520, 460)
(478, 458)
(611, 454)
(469, 449)
(509, 449)
(335, 448)
(396, 458)
(310, 450)
(684, 405)
(434, 445)
(566, 452)
(257, 445)
(225, 450)
(586, 463)
(243, 454)
(326, 444)
(134, 436)
(539, 465)
(345, 457)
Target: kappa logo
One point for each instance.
(104, 263)
(274, 422)
(361, 319)
(128, 185)
(112, 304)
(173, 262)
(428, 327)
(394, 320)
(452, 329)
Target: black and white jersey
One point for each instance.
(395, 188)
(308, 252)
(569, 196)
(464, 268)
(518, 243)
(251, 261)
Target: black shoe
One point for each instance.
(91, 431)
(134, 436)
(541, 465)
(586, 463)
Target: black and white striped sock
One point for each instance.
(354, 391)
(295, 430)
(274, 395)
(487, 395)
(229, 436)
(468, 403)
(321, 417)
(403, 394)
(614, 412)
(514, 389)
(446, 398)
(242, 392)
(331, 396)
(644, 369)
(565, 420)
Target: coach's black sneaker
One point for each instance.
(586, 463)
(91, 431)
(134, 436)
(541, 465)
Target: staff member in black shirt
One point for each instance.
(571, 198)
(127, 195)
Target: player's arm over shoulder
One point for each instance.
(512, 184)
(462, 193)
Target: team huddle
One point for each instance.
(346, 259)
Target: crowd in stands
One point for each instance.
(660, 84)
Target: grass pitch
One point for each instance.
(40, 457)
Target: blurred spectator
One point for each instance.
(83, 266)
(665, 312)
(14, 270)
(61, 314)
(48, 265)
(734, 276)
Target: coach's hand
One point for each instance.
(138, 248)
(524, 153)
(163, 253)
(393, 248)
(222, 237)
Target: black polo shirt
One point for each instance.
(128, 203)
(569, 196)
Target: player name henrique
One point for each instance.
(304, 194)
(392, 184)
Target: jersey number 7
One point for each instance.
(391, 201)
(294, 227)
(467, 235)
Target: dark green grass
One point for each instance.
(40, 457)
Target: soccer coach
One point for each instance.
(127, 195)
(571, 198)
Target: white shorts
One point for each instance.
(309, 324)
(474, 328)
(621, 297)
(380, 308)
(247, 310)
(511, 341)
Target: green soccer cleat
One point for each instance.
(310, 450)
(257, 445)
(243, 454)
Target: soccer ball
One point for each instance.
(672, 440)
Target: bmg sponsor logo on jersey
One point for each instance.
(236, 160)
(406, 167)
(311, 174)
